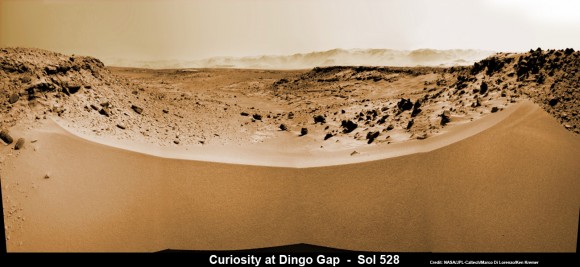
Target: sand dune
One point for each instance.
(101, 198)
(298, 152)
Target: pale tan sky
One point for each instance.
(179, 29)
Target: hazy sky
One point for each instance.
(176, 29)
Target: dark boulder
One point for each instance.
(445, 117)
(319, 119)
(416, 108)
(283, 127)
(105, 112)
(383, 119)
(257, 117)
(483, 88)
(328, 136)
(405, 104)
(5, 136)
(371, 136)
(73, 87)
(554, 101)
(494, 109)
(51, 69)
(303, 131)
(348, 126)
(410, 124)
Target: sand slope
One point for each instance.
(513, 187)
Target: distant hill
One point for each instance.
(335, 57)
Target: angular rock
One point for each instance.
(73, 87)
(390, 127)
(483, 88)
(5, 136)
(245, 114)
(257, 117)
(383, 119)
(371, 136)
(416, 108)
(410, 124)
(303, 131)
(445, 117)
(105, 112)
(328, 136)
(348, 126)
(283, 127)
(51, 69)
(405, 104)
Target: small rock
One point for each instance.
(137, 109)
(390, 127)
(291, 115)
(46, 176)
(422, 136)
(303, 131)
(319, 119)
(483, 88)
(176, 142)
(494, 109)
(257, 117)
(73, 87)
(554, 101)
(354, 153)
(328, 136)
(13, 98)
(105, 112)
(245, 114)
(445, 117)
(19, 144)
(5, 136)
(121, 126)
(371, 136)
(165, 111)
(283, 127)
(348, 126)
(568, 126)
(410, 124)
(405, 104)
(50, 69)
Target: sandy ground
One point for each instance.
(472, 158)
(448, 199)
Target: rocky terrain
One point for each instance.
(346, 106)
